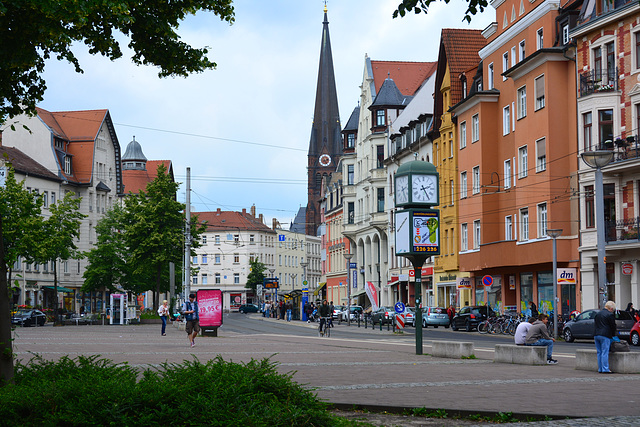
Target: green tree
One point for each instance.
(32, 31)
(256, 275)
(419, 6)
(155, 232)
(61, 231)
(20, 228)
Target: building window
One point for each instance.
(540, 39)
(453, 191)
(216, 258)
(522, 51)
(67, 164)
(507, 174)
(380, 199)
(505, 64)
(351, 214)
(195, 259)
(541, 155)
(587, 131)
(205, 258)
(476, 234)
(506, 120)
(463, 135)
(476, 180)
(605, 127)
(217, 239)
(252, 239)
(351, 140)
(524, 164)
(490, 76)
(205, 279)
(524, 224)
(522, 102)
(508, 228)
(350, 175)
(380, 156)
(236, 239)
(589, 206)
(464, 244)
(217, 278)
(380, 119)
(236, 258)
(542, 220)
(539, 89)
(463, 185)
(194, 280)
(236, 278)
(204, 239)
(475, 128)
(513, 56)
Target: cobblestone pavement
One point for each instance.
(367, 371)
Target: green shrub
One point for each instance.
(149, 314)
(92, 391)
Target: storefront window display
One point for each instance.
(526, 292)
(494, 294)
(545, 292)
(479, 292)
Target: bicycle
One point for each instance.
(324, 328)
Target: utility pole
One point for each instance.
(187, 240)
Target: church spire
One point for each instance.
(325, 143)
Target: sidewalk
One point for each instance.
(366, 371)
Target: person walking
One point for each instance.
(288, 306)
(632, 311)
(605, 330)
(191, 315)
(538, 336)
(451, 311)
(163, 312)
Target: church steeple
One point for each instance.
(325, 144)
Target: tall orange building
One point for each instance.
(517, 163)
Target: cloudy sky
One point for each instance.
(244, 128)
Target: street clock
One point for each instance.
(416, 185)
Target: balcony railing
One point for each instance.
(593, 81)
(623, 149)
(623, 230)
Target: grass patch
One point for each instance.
(93, 391)
(473, 356)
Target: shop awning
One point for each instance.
(358, 294)
(393, 283)
(319, 288)
(60, 289)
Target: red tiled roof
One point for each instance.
(231, 221)
(24, 164)
(461, 48)
(408, 76)
(137, 180)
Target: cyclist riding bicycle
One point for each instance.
(325, 313)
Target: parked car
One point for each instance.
(383, 315)
(469, 317)
(583, 326)
(409, 316)
(29, 318)
(634, 335)
(337, 310)
(435, 316)
(356, 310)
(248, 308)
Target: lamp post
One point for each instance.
(348, 257)
(554, 233)
(304, 265)
(272, 270)
(379, 284)
(597, 160)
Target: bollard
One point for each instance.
(365, 322)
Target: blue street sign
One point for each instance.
(353, 265)
(281, 237)
(487, 280)
(399, 307)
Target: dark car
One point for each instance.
(248, 308)
(383, 315)
(469, 317)
(583, 326)
(29, 318)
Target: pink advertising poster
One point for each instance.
(210, 304)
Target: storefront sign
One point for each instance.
(463, 283)
(627, 268)
(372, 293)
(566, 276)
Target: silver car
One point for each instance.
(435, 316)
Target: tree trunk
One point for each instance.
(6, 349)
(156, 297)
(56, 309)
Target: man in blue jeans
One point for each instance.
(605, 330)
(539, 336)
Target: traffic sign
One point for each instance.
(304, 282)
(487, 280)
(353, 265)
(400, 321)
(400, 308)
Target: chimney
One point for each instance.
(274, 223)
(253, 211)
(218, 212)
(244, 211)
(261, 219)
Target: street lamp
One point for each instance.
(304, 278)
(554, 233)
(348, 258)
(379, 284)
(597, 160)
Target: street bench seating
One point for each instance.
(451, 349)
(623, 363)
(520, 354)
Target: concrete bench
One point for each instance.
(451, 349)
(520, 354)
(623, 363)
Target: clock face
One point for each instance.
(402, 189)
(325, 160)
(424, 189)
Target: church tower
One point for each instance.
(325, 145)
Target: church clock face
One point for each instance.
(324, 160)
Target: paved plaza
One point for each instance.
(369, 371)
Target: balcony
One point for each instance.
(377, 175)
(623, 149)
(624, 230)
(596, 81)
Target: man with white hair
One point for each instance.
(605, 330)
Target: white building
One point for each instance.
(292, 251)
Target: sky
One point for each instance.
(243, 128)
